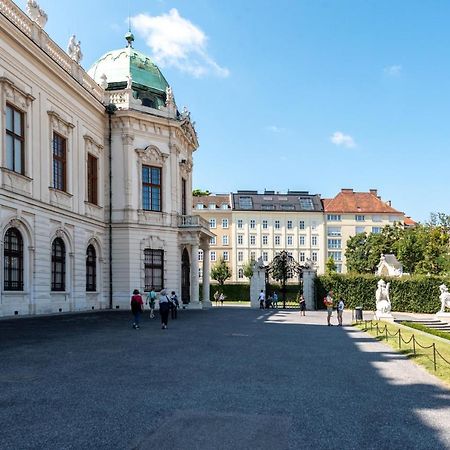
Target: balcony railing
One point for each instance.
(192, 222)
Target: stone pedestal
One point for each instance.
(387, 317)
(444, 316)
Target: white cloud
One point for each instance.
(275, 129)
(393, 71)
(177, 42)
(342, 140)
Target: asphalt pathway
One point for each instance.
(225, 378)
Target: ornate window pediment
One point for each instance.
(92, 146)
(151, 155)
(15, 95)
(59, 124)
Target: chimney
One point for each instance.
(374, 192)
(347, 191)
(389, 203)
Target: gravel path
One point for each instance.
(227, 378)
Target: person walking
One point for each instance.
(302, 305)
(216, 297)
(328, 302)
(136, 307)
(164, 307)
(262, 299)
(221, 298)
(275, 300)
(340, 311)
(174, 304)
(150, 300)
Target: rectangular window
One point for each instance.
(265, 224)
(200, 255)
(302, 257)
(359, 230)
(226, 256)
(277, 224)
(359, 218)
(240, 256)
(265, 256)
(212, 240)
(337, 256)
(183, 197)
(224, 223)
(252, 224)
(302, 239)
(313, 225)
(265, 239)
(224, 240)
(314, 241)
(240, 224)
(240, 272)
(376, 230)
(334, 231)
(212, 223)
(289, 224)
(290, 240)
(240, 239)
(277, 239)
(376, 218)
(15, 139)
(153, 269)
(334, 243)
(252, 239)
(314, 256)
(213, 256)
(59, 162)
(394, 219)
(301, 224)
(151, 188)
(252, 256)
(92, 182)
(334, 217)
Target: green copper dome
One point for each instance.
(118, 65)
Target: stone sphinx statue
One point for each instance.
(444, 297)
(382, 297)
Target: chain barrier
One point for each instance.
(386, 333)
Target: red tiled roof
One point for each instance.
(348, 201)
(409, 222)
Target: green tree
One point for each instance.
(200, 193)
(330, 266)
(220, 272)
(248, 269)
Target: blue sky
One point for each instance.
(305, 95)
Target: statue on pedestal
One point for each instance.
(36, 13)
(444, 297)
(382, 297)
(74, 49)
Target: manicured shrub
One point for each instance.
(410, 294)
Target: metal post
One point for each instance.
(399, 339)
(434, 356)
(414, 344)
(386, 332)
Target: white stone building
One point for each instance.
(57, 183)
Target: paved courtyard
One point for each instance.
(226, 378)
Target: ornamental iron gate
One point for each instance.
(283, 267)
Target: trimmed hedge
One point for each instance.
(241, 292)
(409, 294)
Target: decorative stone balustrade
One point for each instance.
(31, 29)
(192, 222)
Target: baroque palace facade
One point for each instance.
(249, 225)
(95, 177)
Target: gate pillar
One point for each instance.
(257, 282)
(308, 289)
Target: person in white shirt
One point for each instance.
(340, 311)
(262, 299)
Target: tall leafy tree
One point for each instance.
(220, 272)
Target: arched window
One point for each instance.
(13, 260)
(91, 269)
(58, 265)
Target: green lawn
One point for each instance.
(423, 357)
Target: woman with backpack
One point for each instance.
(174, 304)
(136, 307)
(164, 307)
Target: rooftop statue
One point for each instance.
(170, 101)
(382, 297)
(444, 297)
(36, 13)
(74, 49)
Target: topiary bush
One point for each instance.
(409, 294)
